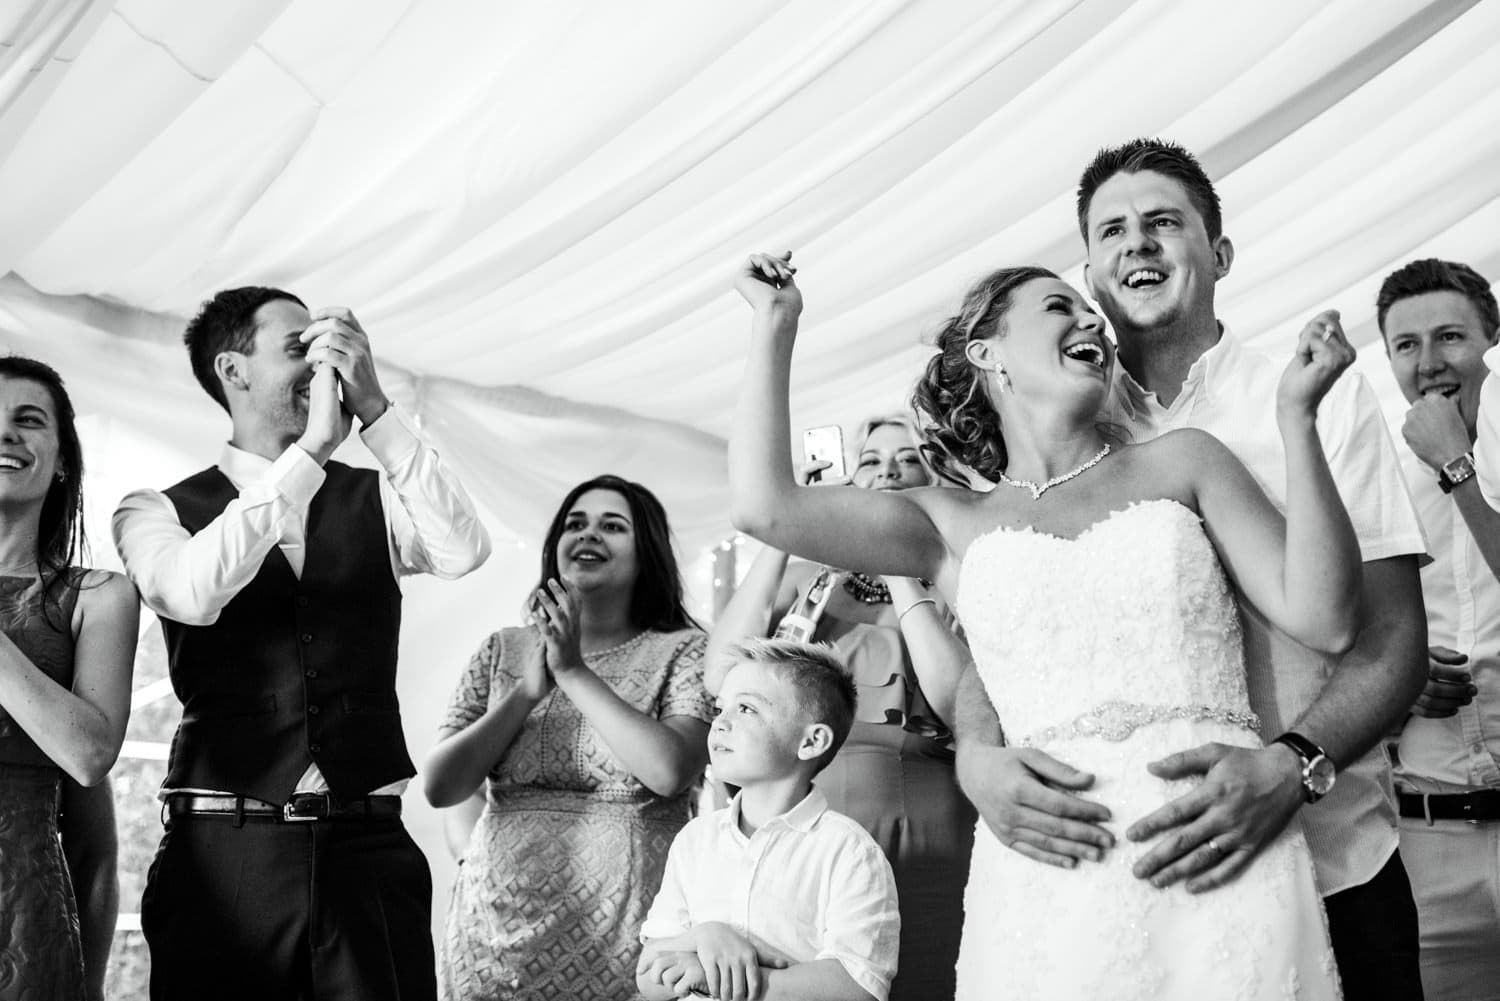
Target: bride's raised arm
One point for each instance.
(878, 532)
(1303, 573)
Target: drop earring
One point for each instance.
(1002, 378)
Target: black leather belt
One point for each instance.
(302, 807)
(1476, 807)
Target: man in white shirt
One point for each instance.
(285, 870)
(1151, 223)
(1438, 319)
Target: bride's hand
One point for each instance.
(1321, 357)
(766, 282)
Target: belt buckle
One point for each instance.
(292, 811)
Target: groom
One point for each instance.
(1150, 220)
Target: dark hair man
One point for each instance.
(285, 870)
(1439, 320)
(1151, 223)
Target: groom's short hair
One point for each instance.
(1159, 157)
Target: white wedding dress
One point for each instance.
(1110, 651)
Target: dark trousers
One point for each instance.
(326, 911)
(1374, 932)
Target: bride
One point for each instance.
(1092, 584)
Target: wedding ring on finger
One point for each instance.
(1213, 846)
(1326, 331)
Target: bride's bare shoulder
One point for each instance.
(1182, 444)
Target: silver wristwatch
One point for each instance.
(1318, 772)
(1455, 471)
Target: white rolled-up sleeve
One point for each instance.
(862, 922)
(191, 577)
(433, 526)
(670, 913)
(1487, 441)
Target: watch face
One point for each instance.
(1318, 776)
(1459, 469)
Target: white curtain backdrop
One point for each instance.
(536, 209)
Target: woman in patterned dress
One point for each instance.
(67, 644)
(588, 726)
(894, 774)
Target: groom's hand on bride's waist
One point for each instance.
(1030, 802)
(1211, 834)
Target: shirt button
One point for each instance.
(313, 710)
(307, 637)
(314, 748)
(301, 601)
(313, 673)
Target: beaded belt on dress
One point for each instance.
(1115, 720)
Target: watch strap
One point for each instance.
(1306, 749)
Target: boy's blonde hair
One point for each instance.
(824, 688)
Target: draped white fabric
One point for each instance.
(536, 208)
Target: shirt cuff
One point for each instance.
(390, 438)
(296, 476)
(661, 928)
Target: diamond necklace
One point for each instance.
(1038, 489)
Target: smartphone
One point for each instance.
(825, 444)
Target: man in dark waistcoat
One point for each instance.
(285, 871)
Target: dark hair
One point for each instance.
(1433, 275)
(60, 536)
(226, 323)
(959, 422)
(824, 687)
(656, 600)
(1159, 157)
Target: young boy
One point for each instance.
(776, 896)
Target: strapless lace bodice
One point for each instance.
(1109, 652)
(1133, 613)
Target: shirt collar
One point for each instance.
(1203, 380)
(240, 466)
(801, 817)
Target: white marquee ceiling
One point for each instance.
(536, 209)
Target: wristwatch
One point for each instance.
(1455, 471)
(1318, 773)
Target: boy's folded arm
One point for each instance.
(653, 990)
(668, 973)
(824, 979)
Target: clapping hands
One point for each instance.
(555, 616)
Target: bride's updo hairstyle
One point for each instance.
(959, 422)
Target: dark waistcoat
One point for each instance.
(294, 671)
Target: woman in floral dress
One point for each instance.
(588, 727)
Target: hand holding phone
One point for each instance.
(825, 444)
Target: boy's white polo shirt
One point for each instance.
(809, 884)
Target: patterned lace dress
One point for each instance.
(40, 957)
(569, 852)
(1110, 651)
